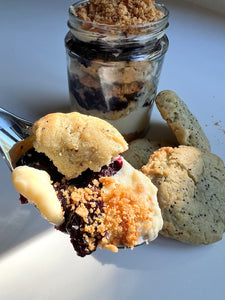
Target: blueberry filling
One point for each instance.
(75, 225)
(87, 177)
(95, 96)
(100, 49)
(91, 98)
(40, 161)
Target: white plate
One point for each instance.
(37, 262)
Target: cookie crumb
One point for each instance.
(115, 12)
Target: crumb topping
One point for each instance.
(125, 212)
(109, 213)
(116, 12)
(84, 215)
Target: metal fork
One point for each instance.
(13, 130)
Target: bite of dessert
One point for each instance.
(74, 174)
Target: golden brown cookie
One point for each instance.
(76, 142)
(181, 121)
(191, 193)
(140, 150)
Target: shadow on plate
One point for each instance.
(40, 105)
(158, 255)
(159, 131)
(33, 105)
(18, 223)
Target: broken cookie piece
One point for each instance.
(181, 121)
(75, 142)
(191, 189)
(75, 176)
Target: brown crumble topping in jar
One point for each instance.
(115, 52)
(116, 12)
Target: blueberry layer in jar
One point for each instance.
(114, 60)
(86, 188)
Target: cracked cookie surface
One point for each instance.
(76, 142)
(191, 193)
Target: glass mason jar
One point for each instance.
(113, 70)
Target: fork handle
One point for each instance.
(12, 130)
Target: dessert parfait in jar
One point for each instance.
(115, 51)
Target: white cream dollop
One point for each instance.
(133, 179)
(35, 185)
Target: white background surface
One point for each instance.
(217, 6)
(37, 262)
